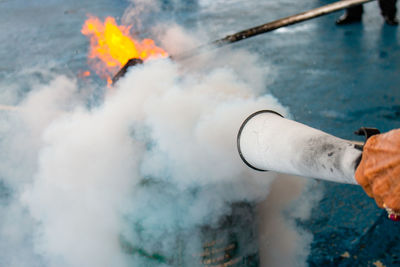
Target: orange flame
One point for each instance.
(111, 46)
(84, 74)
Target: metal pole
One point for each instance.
(270, 26)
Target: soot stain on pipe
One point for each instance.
(321, 149)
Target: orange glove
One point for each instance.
(379, 171)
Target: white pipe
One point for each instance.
(267, 141)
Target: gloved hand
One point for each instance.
(379, 171)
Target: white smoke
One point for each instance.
(282, 242)
(92, 162)
(135, 176)
(139, 11)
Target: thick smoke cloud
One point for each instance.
(131, 178)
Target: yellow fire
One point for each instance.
(111, 46)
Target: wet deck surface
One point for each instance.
(338, 79)
(332, 78)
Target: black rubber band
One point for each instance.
(240, 132)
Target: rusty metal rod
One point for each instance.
(270, 26)
(273, 25)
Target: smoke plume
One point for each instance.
(124, 181)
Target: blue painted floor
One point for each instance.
(335, 78)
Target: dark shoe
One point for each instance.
(346, 19)
(391, 21)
